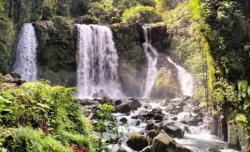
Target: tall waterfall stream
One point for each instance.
(152, 58)
(25, 64)
(97, 65)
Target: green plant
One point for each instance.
(30, 140)
(106, 123)
(101, 11)
(140, 14)
(53, 110)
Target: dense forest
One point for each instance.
(124, 75)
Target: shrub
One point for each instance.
(51, 109)
(140, 14)
(62, 23)
(101, 11)
(30, 140)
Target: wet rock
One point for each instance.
(147, 106)
(124, 120)
(174, 118)
(15, 76)
(164, 143)
(8, 78)
(137, 141)
(117, 102)
(173, 130)
(105, 101)
(155, 114)
(137, 123)
(187, 129)
(151, 135)
(128, 106)
(88, 102)
(191, 119)
(170, 108)
(135, 117)
(151, 125)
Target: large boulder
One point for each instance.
(164, 143)
(166, 83)
(137, 141)
(173, 130)
(128, 106)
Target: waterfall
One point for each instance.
(97, 63)
(185, 79)
(152, 58)
(25, 62)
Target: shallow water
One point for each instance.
(198, 140)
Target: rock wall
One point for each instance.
(57, 50)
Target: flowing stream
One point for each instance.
(25, 63)
(152, 58)
(97, 63)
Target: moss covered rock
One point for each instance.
(57, 45)
(137, 141)
(128, 41)
(160, 37)
(7, 37)
(166, 83)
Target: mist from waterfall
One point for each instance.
(185, 79)
(152, 58)
(26, 60)
(97, 63)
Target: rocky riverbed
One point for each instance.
(177, 125)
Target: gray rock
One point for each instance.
(128, 106)
(173, 130)
(164, 143)
(124, 120)
(137, 141)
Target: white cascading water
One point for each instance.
(185, 79)
(25, 63)
(152, 58)
(97, 67)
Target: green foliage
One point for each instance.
(102, 11)
(140, 14)
(106, 123)
(53, 109)
(225, 92)
(124, 4)
(67, 138)
(63, 7)
(7, 33)
(1, 6)
(161, 5)
(62, 23)
(30, 140)
(241, 118)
